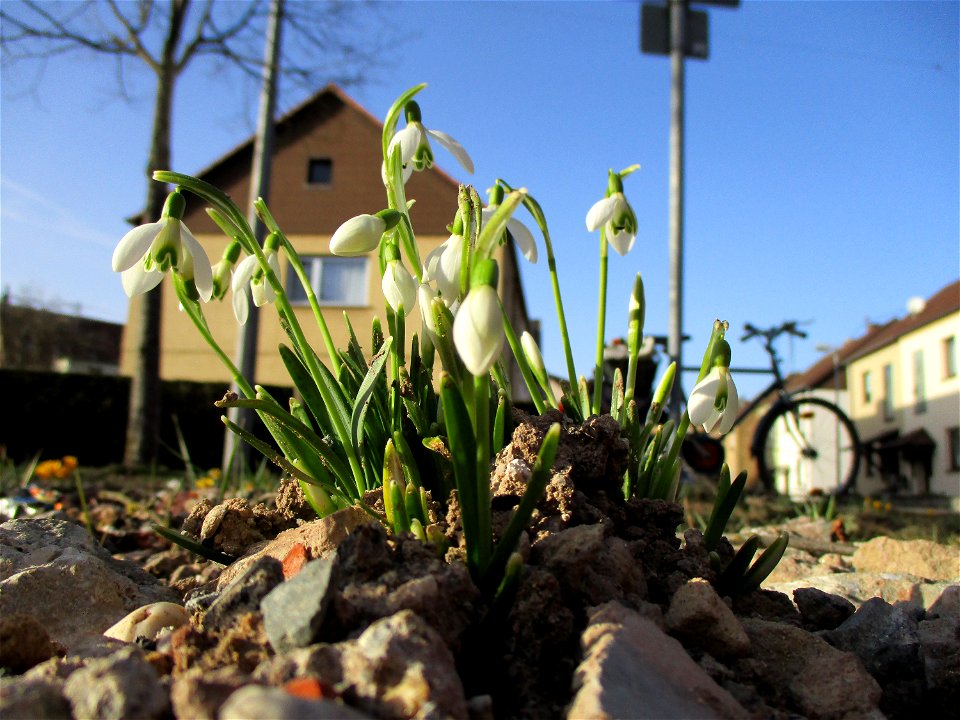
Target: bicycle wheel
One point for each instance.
(807, 445)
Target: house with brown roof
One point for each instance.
(905, 400)
(326, 169)
(899, 385)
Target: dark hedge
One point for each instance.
(86, 415)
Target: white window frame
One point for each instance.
(313, 266)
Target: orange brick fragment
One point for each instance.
(309, 688)
(295, 560)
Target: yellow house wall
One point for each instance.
(333, 128)
(942, 396)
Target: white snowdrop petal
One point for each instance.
(134, 245)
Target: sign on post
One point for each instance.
(655, 32)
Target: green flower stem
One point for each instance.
(601, 324)
(635, 322)
(528, 377)
(294, 257)
(538, 215)
(312, 364)
(195, 313)
(481, 384)
(215, 197)
(684, 424)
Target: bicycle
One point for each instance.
(799, 441)
(802, 440)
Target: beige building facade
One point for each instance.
(326, 169)
(899, 384)
(905, 401)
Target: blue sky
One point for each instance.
(821, 157)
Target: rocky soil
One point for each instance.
(616, 615)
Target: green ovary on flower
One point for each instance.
(478, 330)
(713, 402)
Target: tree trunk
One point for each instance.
(143, 421)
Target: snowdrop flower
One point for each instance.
(532, 351)
(614, 214)
(520, 233)
(713, 401)
(414, 141)
(361, 234)
(399, 287)
(149, 251)
(478, 326)
(250, 280)
(223, 270)
(442, 265)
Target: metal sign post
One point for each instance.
(679, 32)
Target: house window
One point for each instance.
(919, 384)
(338, 281)
(867, 388)
(949, 357)
(888, 392)
(319, 171)
(953, 446)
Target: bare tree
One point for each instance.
(166, 38)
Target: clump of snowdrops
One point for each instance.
(419, 417)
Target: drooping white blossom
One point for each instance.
(478, 330)
(414, 142)
(520, 232)
(149, 251)
(399, 287)
(615, 215)
(358, 235)
(443, 266)
(249, 281)
(713, 402)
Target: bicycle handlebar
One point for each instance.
(789, 327)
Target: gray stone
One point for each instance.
(400, 667)
(809, 676)
(77, 593)
(821, 610)
(700, 617)
(633, 669)
(32, 699)
(255, 702)
(244, 594)
(199, 694)
(858, 587)
(885, 638)
(940, 652)
(294, 610)
(123, 685)
(320, 538)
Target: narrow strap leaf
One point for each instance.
(765, 564)
(528, 503)
(361, 402)
(307, 388)
(463, 454)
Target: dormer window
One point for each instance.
(320, 171)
